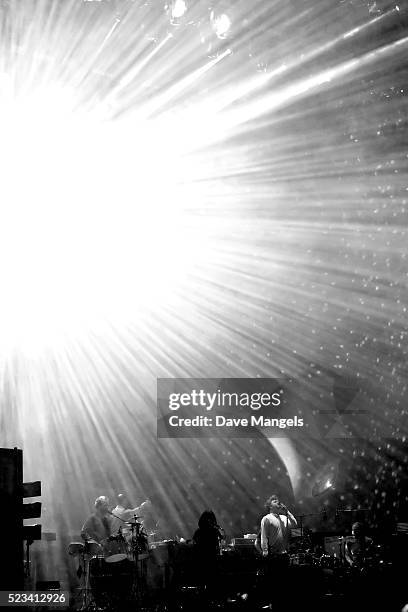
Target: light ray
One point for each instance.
(167, 213)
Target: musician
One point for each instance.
(358, 547)
(207, 539)
(126, 512)
(98, 526)
(275, 528)
(123, 511)
(273, 588)
(208, 536)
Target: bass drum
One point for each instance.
(111, 583)
(116, 549)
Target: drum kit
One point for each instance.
(332, 557)
(114, 570)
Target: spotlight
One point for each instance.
(326, 479)
(221, 24)
(178, 9)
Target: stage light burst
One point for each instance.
(166, 213)
(178, 9)
(92, 215)
(221, 24)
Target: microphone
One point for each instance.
(284, 508)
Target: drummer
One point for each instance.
(123, 512)
(99, 525)
(359, 546)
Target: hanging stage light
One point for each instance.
(222, 15)
(178, 9)
(221, 24)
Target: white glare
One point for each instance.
(222, 25)
(178, 9)
(92, 224)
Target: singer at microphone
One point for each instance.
(275, 527)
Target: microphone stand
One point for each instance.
(221, 537)
(138, 584)
(87, 596)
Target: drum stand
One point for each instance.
(27, 563)
(87, 597)
(138, 579)
(137, 591)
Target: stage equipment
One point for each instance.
(12, 492)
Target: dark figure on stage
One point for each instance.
(208, 536)
(368, 583)
(207, 540)
(358, 548)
